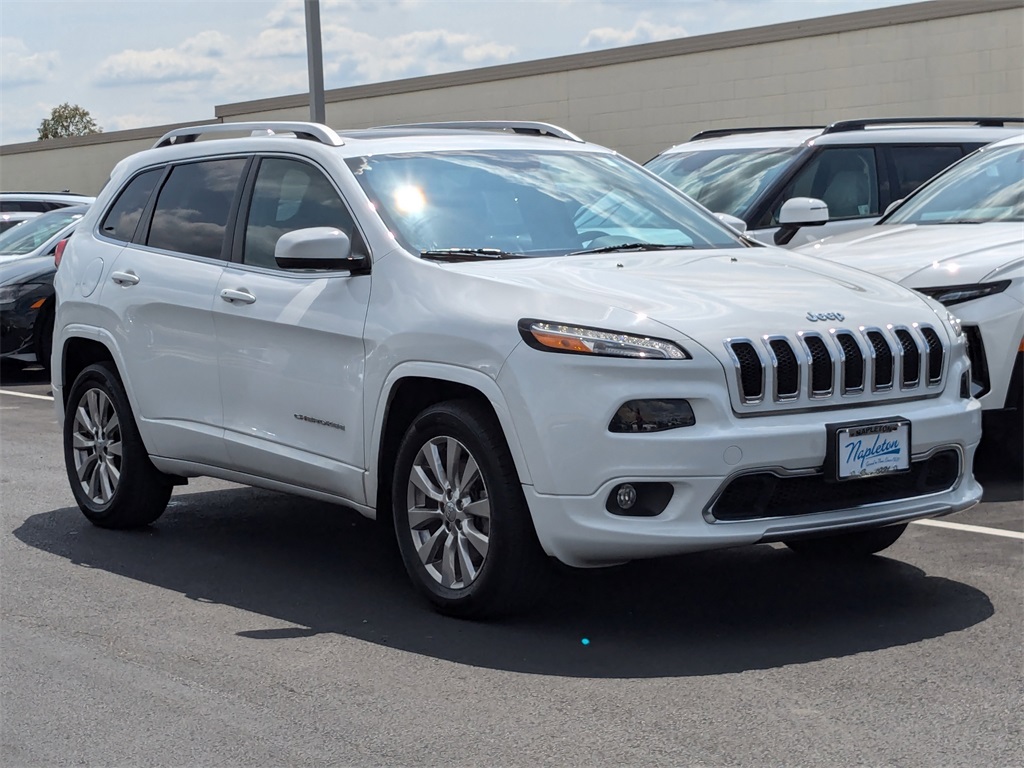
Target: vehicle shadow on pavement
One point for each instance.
(325, 569)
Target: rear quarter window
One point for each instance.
(123, 216)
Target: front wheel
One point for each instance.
(462, 524)
(112, 478)
(853, 544)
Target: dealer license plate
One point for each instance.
(868, 450)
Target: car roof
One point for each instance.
(47, 196)
(867, 131)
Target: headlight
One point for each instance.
(958, 294)
(11, 293)
(573, 339)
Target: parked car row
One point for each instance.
(505, 343)
(26, 283)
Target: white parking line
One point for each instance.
(972, 528)
(26, 394)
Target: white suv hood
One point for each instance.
(707, 295)
(931, 255)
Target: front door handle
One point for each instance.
(125, 278)
(237, 297)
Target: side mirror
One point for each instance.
(733, 221)
(800, 212)
(317, 248)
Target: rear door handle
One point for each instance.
(125, 278)
(241, 297)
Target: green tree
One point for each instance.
(68, 120)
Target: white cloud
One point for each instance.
(161, 65)
(19, 66)
(642, 32)
(211, 44)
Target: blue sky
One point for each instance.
(135, 63)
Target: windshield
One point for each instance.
(31, 234)
(723, 180)
(986, 186)
(529, 203)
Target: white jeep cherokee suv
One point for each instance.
(505, 342)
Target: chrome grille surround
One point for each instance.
(859, 364)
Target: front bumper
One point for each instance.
(575, 462)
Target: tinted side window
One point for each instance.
(192, 208)
(24, 206)
(915, 165)
(844, 177)
(123, 216)
(290, 195)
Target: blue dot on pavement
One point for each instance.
(585, 641)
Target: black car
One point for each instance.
(26, 284)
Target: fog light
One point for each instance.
(625, 497)
(638, 499)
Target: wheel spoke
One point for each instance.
(479, 541)
(453, 451)
(113, 426)
(428, 550)
(433, 457)
(448, 577)
(481, 508)
(86, 467)
(469, 475)
(82, 419)
(106, 487)
(420, 518)
(92, 401)
(82, 442)
(114, 449)
(113, 471)
(420, 479)
(469, 570)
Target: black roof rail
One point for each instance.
(311, 131)
(513, 126)
(714, 133)
(841, 126)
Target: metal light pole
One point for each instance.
(315, 57)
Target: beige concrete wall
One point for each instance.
(947, 57)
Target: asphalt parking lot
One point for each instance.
(253, 628)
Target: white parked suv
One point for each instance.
(505, 342)
(960, 240)
(790, 186)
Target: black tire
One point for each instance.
(124, 491)
(508, 576)
(848, 545)
(44, 334)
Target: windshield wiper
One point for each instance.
(961, 221)
(468, 254)
(632, 247)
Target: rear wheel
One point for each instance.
(853, 544)
(112, 478)
(463, 527)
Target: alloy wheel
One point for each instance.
(96, 446)
(449, 512)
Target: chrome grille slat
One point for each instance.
(821, 368)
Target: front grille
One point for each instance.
(935, 355)
(853, 363)
(822, 368)
(911, 358)
(883, 360)
(764, 494)
(980, 384)
(787, 379)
